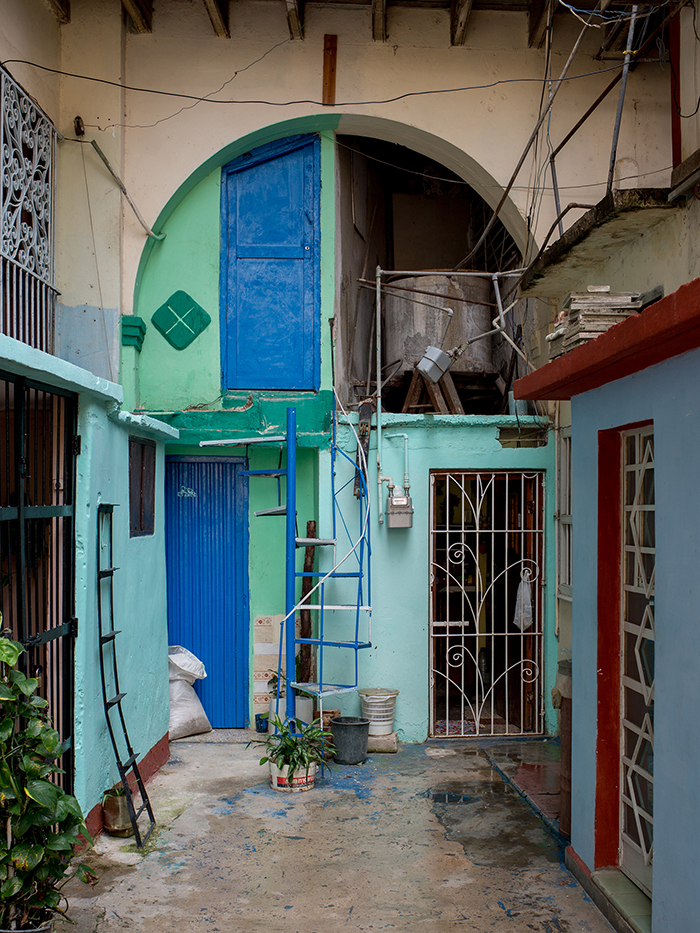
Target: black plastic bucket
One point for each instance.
(350, 739)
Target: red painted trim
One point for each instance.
(674, 42)
(665, 329)
(607, 803)
(149, 766)
(575, 857)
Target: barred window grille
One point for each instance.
(564, 518)
(27, 151)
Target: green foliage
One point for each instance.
(295, 745)
(40, 825)
(117, 790)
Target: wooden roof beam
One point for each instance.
(60, 9)
(218, 14)
(460, 11)
(537, 19)
(379, 33)
(141, 13)
(295, 18)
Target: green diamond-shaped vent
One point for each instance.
(180, 320)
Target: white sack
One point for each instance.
(183, 665)
(187, 716)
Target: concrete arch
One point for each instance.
(404, 134)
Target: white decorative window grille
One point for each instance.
(564, 518)
(638, 643)
(27, 143)
(486, 624)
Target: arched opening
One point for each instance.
(404, 211)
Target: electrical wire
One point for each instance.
(607, 17)
(289, 103)
(469, 184)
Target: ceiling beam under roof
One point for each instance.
(295, 18)
(379, 20)
(537, 19)
(460, 11)
(218, 14)
(141, 13)
(60, 9)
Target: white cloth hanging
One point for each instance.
(523, 605)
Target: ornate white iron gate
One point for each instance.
(487, 551)
(638, 564)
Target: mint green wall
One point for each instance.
(139, 606)
(399, 657)
(187, 260)
(165, 379)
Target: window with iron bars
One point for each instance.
(27, 156)
(563, 516)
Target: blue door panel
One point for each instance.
(270, 268)
(206, 557)
(270, 198)
(260, 353)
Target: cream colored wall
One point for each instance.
(29, 31)
(478, 133)
(89, 209)
(689, 80)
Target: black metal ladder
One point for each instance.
(113, 703)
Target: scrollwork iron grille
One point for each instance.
(487, 561)
(27, 148)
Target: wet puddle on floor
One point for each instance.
(492, 824)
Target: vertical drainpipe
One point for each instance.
(378, 330)
(290, 578)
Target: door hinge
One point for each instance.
(74, 626)
(77, 444)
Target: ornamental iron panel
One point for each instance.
(27, 147)
(638, 639)
(487, 559)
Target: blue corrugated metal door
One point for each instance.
(269, 267)
(206, 529)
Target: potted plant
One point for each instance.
(294, 751)
(115, 812)
(40, 825)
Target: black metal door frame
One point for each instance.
(38, 446)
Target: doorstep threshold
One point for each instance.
(620, 901)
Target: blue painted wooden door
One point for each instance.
(269, 267)
(206, 530)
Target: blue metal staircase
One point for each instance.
(349, 577)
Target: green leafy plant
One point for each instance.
(295, 745)
(42, 824)
(116, 791)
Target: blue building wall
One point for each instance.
(666, 393)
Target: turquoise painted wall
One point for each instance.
(399, 657)
(667, 394)
(183, 387)
(140, 606)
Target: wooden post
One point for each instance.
(330, 55)
(306, 657)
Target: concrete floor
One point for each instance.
(430, 839)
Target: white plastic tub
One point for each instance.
(379, 705)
